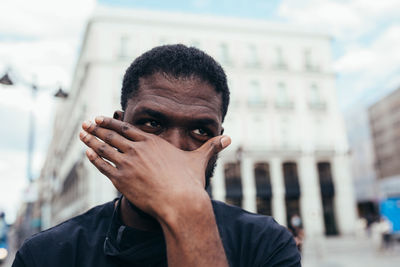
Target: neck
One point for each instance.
(132, 218)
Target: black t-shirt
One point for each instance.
(98, 238)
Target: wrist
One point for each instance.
(186, 210)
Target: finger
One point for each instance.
(123, 128)
(103, 166)
(102, 149)
(214, 146)
(108, 136)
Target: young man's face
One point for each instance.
(186, 112)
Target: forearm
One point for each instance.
(192, 237)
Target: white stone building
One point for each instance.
(283, 117)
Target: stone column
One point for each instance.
(345, 204)
(248, 185)
(278, 191)
(218, 182)
(310, 198)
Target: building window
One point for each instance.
(252, 57)
(285, 132)
(224, 54)
(292, 190)
(233, 184)
(255, 98)
(123, 47)
(263, 188)
(234, 98)
(327, 195)
(307, 59)
(309, 65)
(316, 102)
(282, 97)
(279, 59)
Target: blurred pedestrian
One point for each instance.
(296, 227)
(385, 230)
(3, 227)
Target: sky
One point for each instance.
(40, 42)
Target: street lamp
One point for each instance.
(6, 80)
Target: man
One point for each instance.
(160, 152)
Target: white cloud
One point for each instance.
(380, 55)
(373, 65)
(40, 38)
(368, 33)
(343, 19)
(44, 18)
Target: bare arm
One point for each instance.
(192, 237)
(163, 181)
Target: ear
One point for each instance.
(118, 115)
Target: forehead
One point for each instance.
(189, 95)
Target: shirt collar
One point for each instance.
(133, 245)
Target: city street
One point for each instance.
(349, 252)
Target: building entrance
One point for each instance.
(327, 195)
(292, 190)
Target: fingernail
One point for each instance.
(99, 119)
(225, 141)
(86, 125)
(82, 134)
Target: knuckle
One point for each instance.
(104, 165)
(125, 162)
(93, 158)
(106, 122)
(94, 129)
(87, 139)
(131, 148)
(125, 127)
(109, 137)
(102, 149)
(91, 127)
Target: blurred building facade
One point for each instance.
(384, 118)
(289, 153)
(362, 160)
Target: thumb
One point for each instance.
(214, 146)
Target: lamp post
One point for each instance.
(6, 80)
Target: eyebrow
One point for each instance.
(152, 113)
(159, 115)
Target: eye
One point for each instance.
(201, 132)
(152, 124)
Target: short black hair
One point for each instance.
(179, 61)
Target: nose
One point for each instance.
(178, 138)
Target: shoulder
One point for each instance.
(64, 238)
(235, 218)
(256, 238)
(68, 229)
